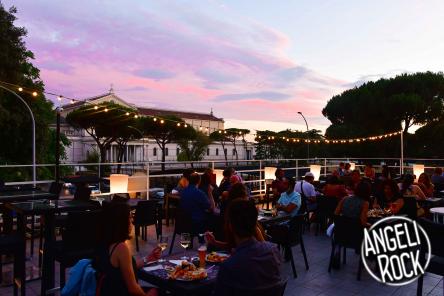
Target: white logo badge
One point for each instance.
(395, 251)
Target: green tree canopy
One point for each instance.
(105, 123)
(193, 147)
(379, 107)
(165, 130)
(15, 121)
(221, 137)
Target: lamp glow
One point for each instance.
(269, 173)
(219, 175)
(418, 169)
(315, 169)
(118, 183)
(352, 166)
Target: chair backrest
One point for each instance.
(327, 206)
(435, 233)
(146, 213)
(80, 231)
(287, 233)
(82, 193)
(275, 290)
(348, 232)
(183, 222)
(55, 188)
(410, 207)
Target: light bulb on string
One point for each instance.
(96, 107)
(20, 89)
(34, 93)
(154, 119)
(59, 98)
(106, 110)
(162, 121)
(127, 114)
(136, 116)
(72, 102)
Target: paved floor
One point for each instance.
(315, 281)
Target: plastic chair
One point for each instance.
(436, 235)
(146, 214)
(288, 235)
(79, 238)
(348, 233)
(15, 244)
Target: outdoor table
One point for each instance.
(48, 211)
(437, 213)
(431, 202)
(24, 195)
(159, 277)
(267, 220)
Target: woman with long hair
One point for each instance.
(407, 188)
(113, 261)
(426, 185)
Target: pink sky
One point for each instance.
(177, 56)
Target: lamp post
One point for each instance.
(308, 140)
(143, 141)
(33, 133)
(402, 148)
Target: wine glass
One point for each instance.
(162, 243)
(185, 241)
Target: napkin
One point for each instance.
(176, 262)
(151, 268)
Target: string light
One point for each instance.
(186, 125)
(178, 124)
(72, 102)
(20, 89)
(59, 98)
(127, 113)
(96, 107)
(136, 116)
(106, 109)
(34, 94)
(155, 119)
(162, 121)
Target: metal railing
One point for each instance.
(252, 171)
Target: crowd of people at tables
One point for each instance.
(229, 203)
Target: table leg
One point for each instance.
(48, 256)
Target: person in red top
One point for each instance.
(280, 184)
(334, 188)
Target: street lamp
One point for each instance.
(33, 133)
(308, 135)
(402, 147)
(143, 141)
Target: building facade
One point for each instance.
(147, 149)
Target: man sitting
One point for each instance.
(195, 202)
(290, 200)
(254, 264)
(307, 191)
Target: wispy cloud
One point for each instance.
(184, 55)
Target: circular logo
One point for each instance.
(395, 251)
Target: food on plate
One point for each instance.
(187, 271)
(216, 257)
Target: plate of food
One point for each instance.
(215, 257)
(187, 272)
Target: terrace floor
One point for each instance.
(315, 281)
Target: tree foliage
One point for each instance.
(193, 147)
(15, 121)
(380, 107)
(165, 130)
(223, 139)
(105, 124)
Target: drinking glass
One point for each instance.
(100, 200)
(185, 242)
(162, 243)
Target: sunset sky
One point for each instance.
(256, 63)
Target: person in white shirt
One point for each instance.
(307, 191)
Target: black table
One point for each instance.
(267, 220)
(24, 195)
(160, 279)
(48, 211)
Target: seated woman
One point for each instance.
(290, 200)
(357, 205)
(113, 262)
(237, 191)
(426, 185)
(369, 172)
(334, 188)
(407, 188)
(391, 198)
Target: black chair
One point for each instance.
(410, 207)
(348, 233)
(275, 290)
(435, 233)
(182, 224)
(15, 244)
(146, 214)
(287, 235)
(325, 211)
(79, 238)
